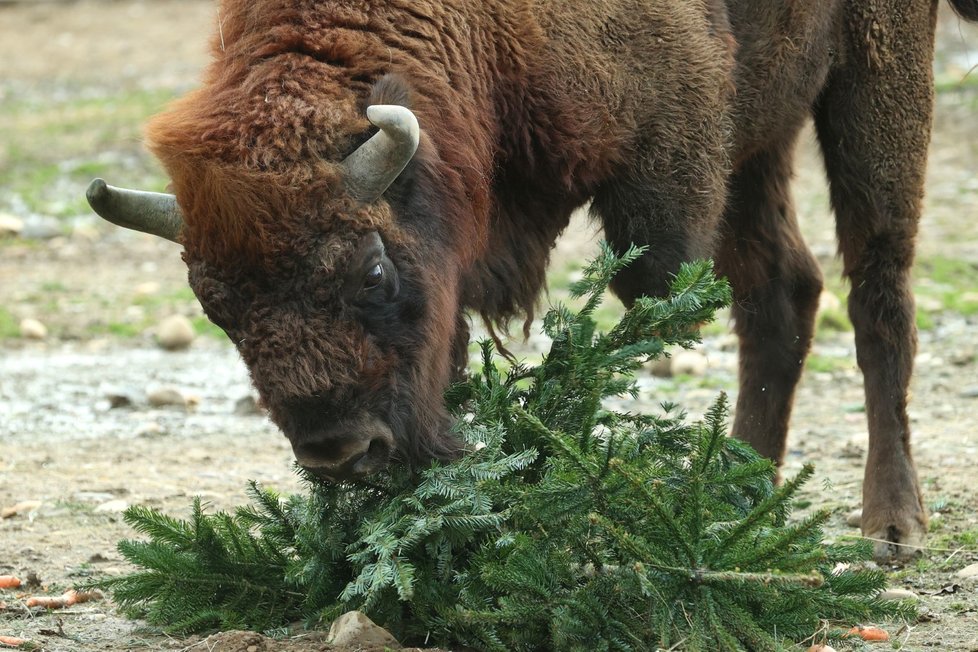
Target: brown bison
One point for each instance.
(353, 175)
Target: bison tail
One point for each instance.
(967, 9)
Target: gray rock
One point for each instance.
(661, 367)
(854, 518)
(355, 630)
(118, 397)
(114, 506)
(898, 594)
(41, 227)
(970, 571)
(166, 397)
(247, 406)
(175, 333)
(689, 363)
(150, 430)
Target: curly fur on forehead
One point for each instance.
(253, 155)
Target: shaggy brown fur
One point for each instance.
(678, 122)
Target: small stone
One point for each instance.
(661, 367)
(118, 401)
(32, 329)
(112, 507)
(166, 397)
(150, 430)
(689, 363)
(41, 227)
(247, 406)
(962, 358)
(854, 518)
(968, 571)
(969, 392)
(118, 398)
(23, 507)
(729, 343)
(898, 594)
(252, 648)
(929, 304)
(10, 225)
(147, 289)
(355, 630)
(175, 333)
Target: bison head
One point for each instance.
(344, 308)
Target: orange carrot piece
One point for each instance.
(47, 601)
(869, 633)
(9, 582)
(77, 597)
(66, 599)
(11, 641)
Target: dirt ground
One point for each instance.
(79, 439)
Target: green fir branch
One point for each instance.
(567, 526)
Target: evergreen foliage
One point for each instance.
(567, 526)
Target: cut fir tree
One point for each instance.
(566, 526)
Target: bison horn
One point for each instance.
(372, 168)
(150, 212)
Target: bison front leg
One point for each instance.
(776, 283)
(873, 123)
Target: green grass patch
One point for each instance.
(834, 320)
(76, 506)
(53, 286)
(828, 364)
(966, 539)
(940, 284)
(950, 84)
(207, 328)
(950, 282)
(177, 296)
(925, 321)
(9, 327)
(118, 329)
(50, 150)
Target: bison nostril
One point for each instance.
(378, 446)
(377, 455)
(355, 450)
(319, 453)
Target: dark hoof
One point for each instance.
(892, 543)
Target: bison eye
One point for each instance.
(374, 277)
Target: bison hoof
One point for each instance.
(892, 543)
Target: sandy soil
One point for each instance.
(79, 460)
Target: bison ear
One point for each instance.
(392, 89)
